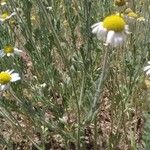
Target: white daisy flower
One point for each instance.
(9, 51)
(5, 16)
(6, 77)
(147, 68)
(112, 30)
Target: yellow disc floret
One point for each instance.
(4, 77)
(114, 23)
(8, 49)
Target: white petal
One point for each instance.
(4, 87)
(2, 54)
(148, 72)
(1, 20)
(118, 39)
(127, 29)
(148, 62)
(9, 54)
(146, 68)
(3, 3)
(14, 75)
(17, 51)
(110, 37)
(95, 29)
(9, 71)
(15, 79)
(101, 33)
(95, 25)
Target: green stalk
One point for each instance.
(95, 134)
(100, 81)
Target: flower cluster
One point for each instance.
(114, 28)
(112, 31)
(8, 76)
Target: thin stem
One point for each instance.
(98, 94)
(99, 88)
(95, 133)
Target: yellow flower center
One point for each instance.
(4, 15)
(4, 77)
(8, 49)
(114, 23)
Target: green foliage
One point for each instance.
(69, 80)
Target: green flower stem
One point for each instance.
(99, 84)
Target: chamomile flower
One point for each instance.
(112, 30)
(147, 68)
(6, 77)
(9, 51)
(6, 16)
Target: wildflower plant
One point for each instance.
(112, 30)
(8, 50)
(74, 91)
(6, 77)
